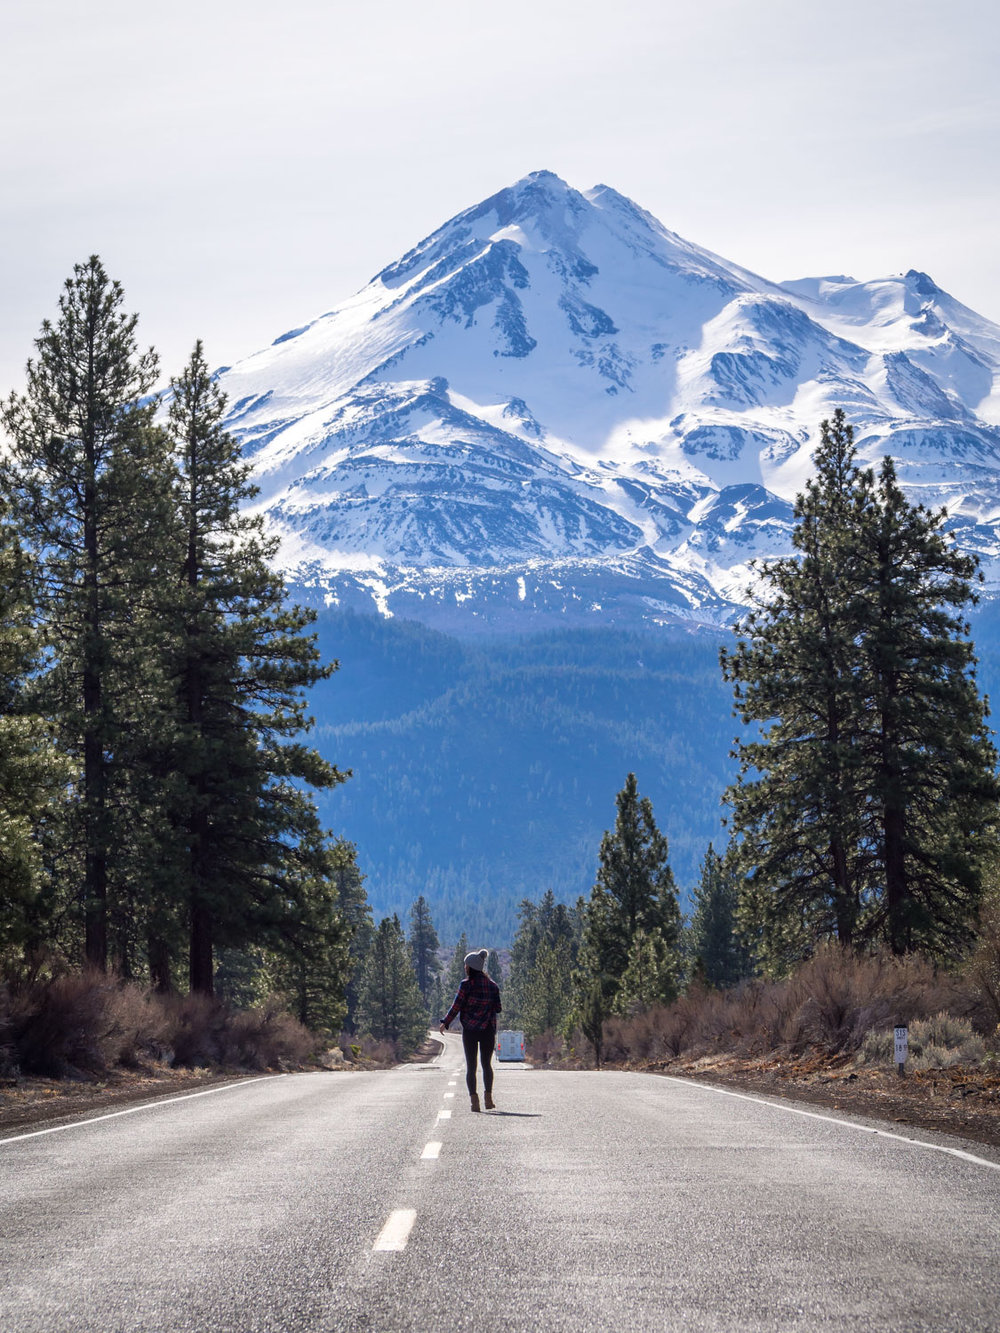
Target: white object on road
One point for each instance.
(396, 1231)
(510, 1045)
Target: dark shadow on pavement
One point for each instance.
(521, 1115)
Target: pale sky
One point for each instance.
(244, 166)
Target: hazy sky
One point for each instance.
(242, 166)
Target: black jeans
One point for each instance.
(481, 1043)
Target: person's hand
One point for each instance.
(442, 1027)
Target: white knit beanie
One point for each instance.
(477, 960)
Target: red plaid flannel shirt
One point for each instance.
(477, 1003)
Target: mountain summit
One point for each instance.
(555, 410)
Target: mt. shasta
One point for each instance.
(554, 411)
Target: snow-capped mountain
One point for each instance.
(555, 410)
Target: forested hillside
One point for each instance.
(487, 772)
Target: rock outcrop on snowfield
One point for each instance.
(553, 410)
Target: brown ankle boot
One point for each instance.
(490, 1104)
(475, 1101)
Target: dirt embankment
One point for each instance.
(962, 1102)
(30, 1102)
(35, 1102)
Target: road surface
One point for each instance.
(586, 1201)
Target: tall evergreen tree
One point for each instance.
(391, 1006)
(249, 850)
(792, 671)
(925, 751)
(31, 772)
(354, 908)
(88, 475)
(456, 969)
(720, 956)
(543, 955)
(634, 894)
(314, 964)
(548, 990)
(494, 968)
(866, 796)
(424, 945)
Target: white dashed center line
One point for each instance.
(396, 1231)
(448, 1094)
(431, 1153)
(444, 1115)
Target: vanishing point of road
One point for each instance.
(377, 1201)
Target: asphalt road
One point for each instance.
(586, 1201)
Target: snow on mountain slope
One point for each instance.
(553, 409)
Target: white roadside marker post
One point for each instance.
(900, 1041)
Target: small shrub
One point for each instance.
(942, 1041)
(64, 1026)
(546, 1048)
(876, 1048)
(377, 1051)
(266, 1038)
(82, 1024)
(194, 1030)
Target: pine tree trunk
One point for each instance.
(844, 904)
(95, 889)
(201, 971)
(894, 826)
(159, 965)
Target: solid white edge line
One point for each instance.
(146, 1106)
(431, 1152)
(834, 1120)
(396, 1231)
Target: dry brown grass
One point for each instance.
(829, 1005)
(83, 1024)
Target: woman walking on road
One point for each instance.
(477, 1004)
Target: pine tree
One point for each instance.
(548, 991)
(314, 963)
(456, 969)
(925, 748)
(792, 671)
(865, 800)
(391, 1007)
(720, 956)
(494, 968)
(354, 908)
(652, 976)
(592, 1011)
(538, 994)
(634, 893)
(249, 853)
(88, 476)
(424, 945)
(31, 771)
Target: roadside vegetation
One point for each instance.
(860, 888)
(167, 892)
